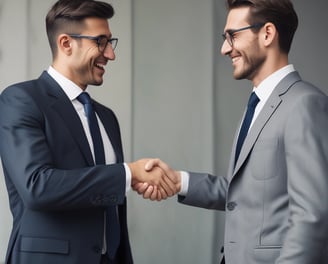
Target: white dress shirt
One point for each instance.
(73, 91)
(266, 87)
(263, 92)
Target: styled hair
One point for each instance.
(281, 13)
(67, 16)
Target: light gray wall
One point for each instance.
(174, 96)
(173, 119)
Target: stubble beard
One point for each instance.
(250, 68)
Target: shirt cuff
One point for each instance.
(184, 183)
(127, 178)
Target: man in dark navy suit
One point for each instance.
(59, 194)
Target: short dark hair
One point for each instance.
(279, 12)
(66, 16)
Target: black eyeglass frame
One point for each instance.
(231, 32)
(98, 39)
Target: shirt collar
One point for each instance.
(70, 88)
(266, 87)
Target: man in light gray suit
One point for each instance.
(276, 191)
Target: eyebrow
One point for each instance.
(106, 36)
(256, 25)
(233, 29)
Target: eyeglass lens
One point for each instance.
(103, 42)
(228, 37)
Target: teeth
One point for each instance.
(100, 66)
(235, 59)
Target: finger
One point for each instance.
(170, 188)
(154, 194)
(136, 185)
(147, 194)
(167, 187)
(159, 196)
(140, 187)
(151, 164)
(170, 173)
(163, 194)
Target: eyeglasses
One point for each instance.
(229, 34)
(102, 41)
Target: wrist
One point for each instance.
(178, 184)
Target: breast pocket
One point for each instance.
(267, 159)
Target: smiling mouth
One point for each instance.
(235, 59)
(100, 66)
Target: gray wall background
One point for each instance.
(174, 96)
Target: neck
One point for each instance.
(67, 74)
(269, 67)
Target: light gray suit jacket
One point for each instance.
(276, 198)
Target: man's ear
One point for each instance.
(268, 34)
(64, 44)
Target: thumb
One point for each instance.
(151, 164)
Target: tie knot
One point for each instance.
(253, 100)
(84, 98)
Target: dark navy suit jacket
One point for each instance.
(57, 195)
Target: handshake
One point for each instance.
(154, 179)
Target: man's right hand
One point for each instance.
(154, 179)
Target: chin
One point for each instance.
(238, 76)
(97, 83)
(241, 75)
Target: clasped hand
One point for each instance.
(154, 179)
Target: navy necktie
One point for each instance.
(252, 102)
(112, 224)
(98, 146)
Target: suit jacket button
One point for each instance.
(231, 206)
(97, 249)
(113, 199)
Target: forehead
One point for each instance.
(237, 17)
(96, 26)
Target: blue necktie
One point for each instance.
(98, 146)
(252, 102)
(112, 225)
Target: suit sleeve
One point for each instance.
(306, 144)
(29, 166)
(206, 191)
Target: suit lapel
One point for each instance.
(268, 110)
(63, 106)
